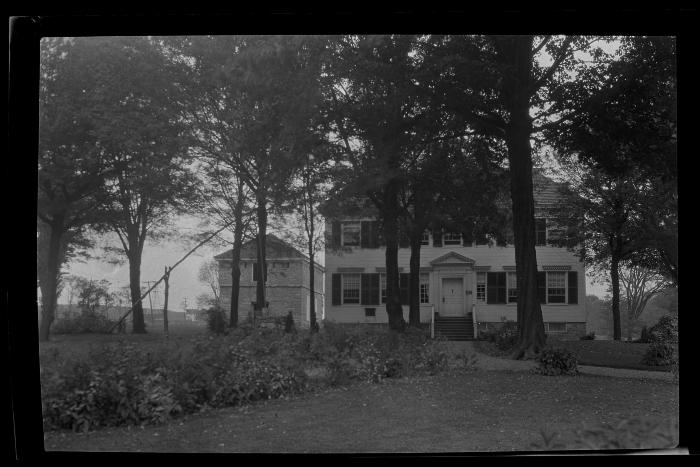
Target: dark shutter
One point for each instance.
(573, 287)
(335, 234)
(336, 290)
(467, 238)
(540, 231)
(365, 234)
(437, 237)
(542, 286)
(373, 289)
(403, 288)
(496, 287)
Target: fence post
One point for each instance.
(165, 304)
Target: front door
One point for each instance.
(452, 297)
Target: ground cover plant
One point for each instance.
(447, 412)
(127, 382)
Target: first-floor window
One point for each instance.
(425, 288)
(481, 287)
(512, 287)
(351, 288)
(556, 287)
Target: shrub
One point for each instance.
(588, 337)
(557, 361)
(87, 322)
(289, 323)
(216, 322)
(666, 330)
(660, 353)
(507, 335)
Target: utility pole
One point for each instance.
(166, 278)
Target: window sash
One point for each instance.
(425, 238)
(351, 288)
(424, 288)
(556, 287)
(351, 233)
(451, 238)
(481, 287)
(512, 292)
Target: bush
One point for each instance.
(588, 337)
(86, 322)
(289, 323)
(507, 335)
(216, 321)
(660, 353)
(555, 361)
(666, 330)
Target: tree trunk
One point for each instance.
(630, 324)
(139, 326)
(236, 260)
(517, 84)
(262, 231)
(50, 295)
(393, 298)
(313, 323)
(414, 282)
(615, 283)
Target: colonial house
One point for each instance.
(466, 285)
(286, 281)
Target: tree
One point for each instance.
(373, 87)
(93, 294)
(140, 128)
(491, 84)
(209, 276)
(639, 285)
(254, 99)
(71, 164)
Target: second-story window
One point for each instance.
(351, 233)
(425, 239)
(540, 231)
(452, 238)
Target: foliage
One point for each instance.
(216, 321)
(660, 353)
(644, 337)
(507, 335)
(588, 337)
(289, 323)
(209, 275)
(666, 330)
(122, 385)
(87, 322)
(554, 361)
(627, 434)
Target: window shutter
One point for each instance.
(364, 289)
(365, 234)
(501, 287)
(542, 286)
(403, 288)
(540, 231)
(437, 237)
(373, 289)
(573, 287)
(335, 234)
(336, 289)
(492, 287)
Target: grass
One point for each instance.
(615, 354)
(452, 412)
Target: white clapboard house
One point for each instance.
(465, 286)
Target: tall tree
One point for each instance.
(496, 86)
(71, 165)
(639, 285)
(255, 97)
(140, 127)
(209, 275)
(374, 91)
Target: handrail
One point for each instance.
(432, 321)
(476, 328)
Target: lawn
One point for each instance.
(456, 411)
(615, 354)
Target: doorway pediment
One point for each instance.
(452, 259)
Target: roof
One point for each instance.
(274, 248)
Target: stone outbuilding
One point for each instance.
(286, 281)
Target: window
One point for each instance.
(555, 327)
(512, 287)
(282, 265)
(540, 231)
(425, 288)
(425, 239)
(452, 238)
(496, 288)
(481, 287)
(382, 287)
(556, 287)
(351, 233)
(351, 288)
